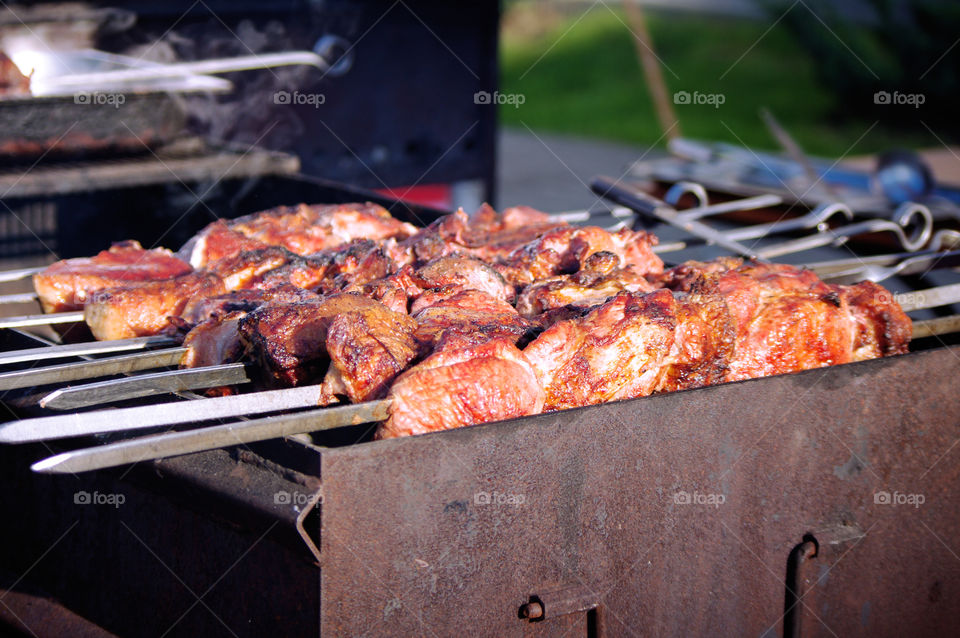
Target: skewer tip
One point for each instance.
(53, 465)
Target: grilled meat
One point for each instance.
(68, 284)
(632, 346)
(291, 343)
(215, 242)
(471, 314)
(462, 383)
(214, 341)
(566, 249)
(446, 276)
(141, 310)
(486, 236)
(786, 319)
(303, 229)
(881, 328)
(200, 309)
(599, 279)
(144, 308)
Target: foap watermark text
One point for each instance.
(286, 97)
(898, 498)
(112, 499)
(498, 498)
(700, 99)
(513, 99)
(699, 498)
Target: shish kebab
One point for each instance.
(655, 307)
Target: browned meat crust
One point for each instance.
(68, 284)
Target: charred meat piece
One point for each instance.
(487, 236)
(460, 384)
(448, 275)
(290, 341)
(356, 263)
(214, 342)
(471, 314)
(367, 350)
(303, 229)
(68, 284)
(632, 346)
(243, 270)
(683, 277)
(881, 328)
(599, 279)
(394, 291)
(788, 320)
(565, 250)
(143, 309)
(200, 309)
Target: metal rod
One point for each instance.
(144, 385)
(26, 321)
(163, 414)
(20, 273)
(178, 443)
(929, 298)
(650, 206)
(199, 67)
(83, 349)
(20, 297)
(89, 369)
(938, 326)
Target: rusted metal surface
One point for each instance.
(678, 512)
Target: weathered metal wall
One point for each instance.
(671, 515)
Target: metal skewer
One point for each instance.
(89, 369)
(164, 414)
(650, 206)
(20, 297)
(177, 443)
(20, 273)
(50, 319)
(82, 349)
(145, 385)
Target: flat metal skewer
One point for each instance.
(50, 319)
(144, 385)
(67, 372)
(177, 443)
(20, 273)
(20, 297)
(164, 414)
(82, 349)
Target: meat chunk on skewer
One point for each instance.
(137, 311)
(144, 308)
(460, 384)
(303, 229)
(471, 314)
(566, 249)
(632, 346)
(787, 320)
(446, 276)
(69, 284)
(600, 278)
(293, 344)
(487, 235)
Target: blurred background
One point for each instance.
(845, 78)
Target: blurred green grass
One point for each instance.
(583, 78)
